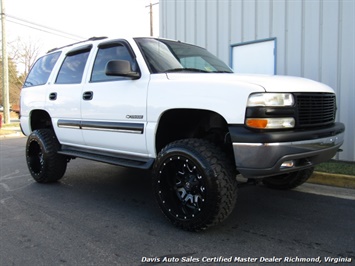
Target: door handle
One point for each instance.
(53, 96)
(88, 95)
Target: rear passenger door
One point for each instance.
(64, 96)
(113, 107)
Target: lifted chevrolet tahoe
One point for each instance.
(178, 110)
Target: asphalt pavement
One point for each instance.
(100, 214)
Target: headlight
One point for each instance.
(271, 99)
(270, 111)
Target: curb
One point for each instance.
(335, 180)
(12, 135)
(10, 132)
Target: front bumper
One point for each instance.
(262, 154)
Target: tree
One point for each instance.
(25, 54)
(22, 55)
(15, 83)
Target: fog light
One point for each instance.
(287, 164)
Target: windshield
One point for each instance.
(170, 56)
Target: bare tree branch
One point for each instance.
(24, 53)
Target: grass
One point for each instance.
(337, 167)
(10, 125)
(7, 129)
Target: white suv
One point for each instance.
(176, 109)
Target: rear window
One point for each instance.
(41, 70)
(72, 68)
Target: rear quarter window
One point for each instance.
(41, 70)
(72, 69)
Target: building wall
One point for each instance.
(315, 39)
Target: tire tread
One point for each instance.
(224, 173)
(55, 164)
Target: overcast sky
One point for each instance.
(113, 18)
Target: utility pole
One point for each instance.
(5, 70)
(151, 17)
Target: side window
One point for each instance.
(72, 69)
(41, 70)
(106, 54)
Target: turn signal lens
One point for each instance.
(271, 123)
(256, 123)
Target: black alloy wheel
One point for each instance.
(194, 184)
(43, 161)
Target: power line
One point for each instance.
(39, 27)
(153, 4)
(43, 30)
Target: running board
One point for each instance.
(110, 158)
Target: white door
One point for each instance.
(63, 97)
(257, 57)
(113, 109)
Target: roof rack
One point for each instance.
(90, 39)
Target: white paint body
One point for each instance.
(148, 97)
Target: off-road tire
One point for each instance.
(43, 161)
(195, 184)
(288, 181)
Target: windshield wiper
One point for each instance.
(186, 69)
(222, 71)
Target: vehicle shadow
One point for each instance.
(262, 216)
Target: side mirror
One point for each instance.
(121, 68)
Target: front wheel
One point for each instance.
(43, 161)
(290, 180)
(194, 183)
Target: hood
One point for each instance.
(267, 82)
(285, 83)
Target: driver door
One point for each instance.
(113, 108)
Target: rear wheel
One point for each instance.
(194, 184)
(43, 161)
(289, 180)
